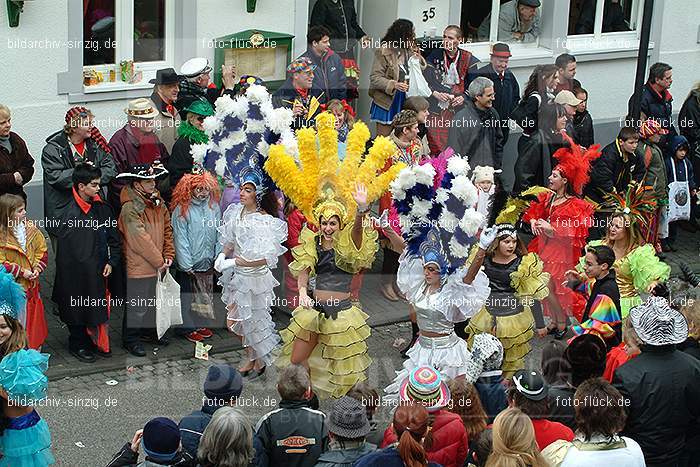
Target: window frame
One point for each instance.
(183, 23)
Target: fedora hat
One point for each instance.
(166, 76)
(656, 323)
(141, 108)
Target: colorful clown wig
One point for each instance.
(183, 192)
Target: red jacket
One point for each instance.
(547, 432)
(450, 443)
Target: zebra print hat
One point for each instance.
(657, 323)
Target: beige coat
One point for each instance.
(384, 76)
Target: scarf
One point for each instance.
(5, 143)
(192, 133)
(95, 134)
(148, 146)
(190, 88)
(20, 232)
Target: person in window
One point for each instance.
(195, 83)
(296, 93)
(566, 66)
(656, 101)
(340, 18)
(16, 164)
(329, 74)
(165, 92)
(476, 128)
(79, 141)
(518, 21)
(504, 84)
(613, 17)
(388, 81)
(448, 73)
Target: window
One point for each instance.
(500, 21)
(123, 30)
(603, 16)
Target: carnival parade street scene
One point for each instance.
(350, 233)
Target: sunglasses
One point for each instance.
(200, 118)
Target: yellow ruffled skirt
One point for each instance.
(514, 332)
(340, 358)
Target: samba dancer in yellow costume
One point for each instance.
(327, 332)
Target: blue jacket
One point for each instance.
(329, 76)
(684, 169)
(196, 236)
(192, 427)
(388, 457)
(492, 393)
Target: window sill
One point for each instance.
(523, 55)
(116, 86)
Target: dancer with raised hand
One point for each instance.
(433, 266)
(327, 332)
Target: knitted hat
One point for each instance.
(95, 134)
(425, 385)
(348, 418)
(656, 323)
(405, 118)
(301, 65)
(488, 348)
(161, 439)
(484, 173)
(223, 382)
(651, 127)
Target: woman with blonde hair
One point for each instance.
(227, 441)
(514, 442)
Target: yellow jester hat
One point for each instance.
(323, 185)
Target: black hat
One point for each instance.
(532, 3)
(161, 439)
(223, 382)
(348, 418)
(166, 76)
(530, 384)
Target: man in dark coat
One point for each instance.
(583, 122)
(504, 84)
(16, 164)
(296, 93)
(656, 100)
(476, 129)
(78, 142)
(660, 385)
(617, 166)
(329, 73)
(195, 83)
(689, 124)
(89, 248)
(340, 18)
(449, 71)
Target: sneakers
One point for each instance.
(194, 336)
(204, 332)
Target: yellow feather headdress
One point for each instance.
(323, 185)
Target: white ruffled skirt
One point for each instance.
(248, 297)
(448, 354)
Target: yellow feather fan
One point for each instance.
(514, 208)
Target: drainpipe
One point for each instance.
(635, 110)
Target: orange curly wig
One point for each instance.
(182, 194)
(575, 163)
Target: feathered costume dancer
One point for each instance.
(569, 217)
(518, 284)
(440, 225)
(252, 238)
(25, 440)
(240, 127)
(328, 333)
(637, 268)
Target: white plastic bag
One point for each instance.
(417, 85)
(168, 306)
(678, 197)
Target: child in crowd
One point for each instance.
(195, 217)
(24, 254)
(26, 439)
(420, 106)
(344, 117)
(679, 170)
(627, 350)
(650, 134)
(483, 179)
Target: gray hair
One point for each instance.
(478, 86)
(293, 382)
(5, 111)
(227, 441)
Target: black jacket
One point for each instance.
(86, 243)
(285, 97)
(535, 162)
(661, 385)
(658, 107)
(293, 426)
(583, 129)
(180, 161)
(477, 134)
(340, 18)
(606, 286)
(610, 172)
(527, 112)
(19, 160)
(329, 76)
(507, 91)
(689, 119)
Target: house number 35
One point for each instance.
(428, 14)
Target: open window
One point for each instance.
(603, 25)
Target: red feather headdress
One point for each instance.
(575, 163)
